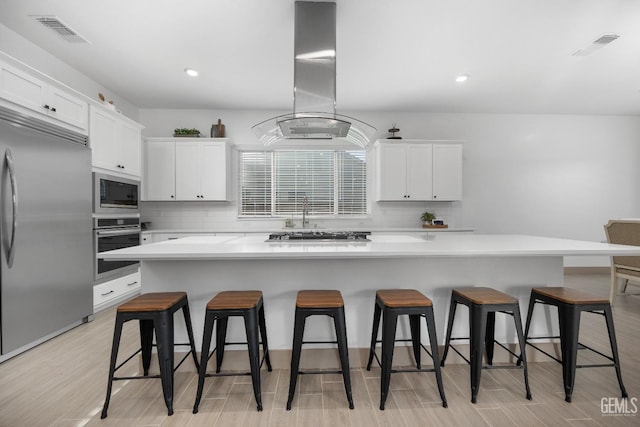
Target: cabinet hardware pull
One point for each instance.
(172, 196)
(132, 283)
(105, 294)
(45, 106)
(53, 109)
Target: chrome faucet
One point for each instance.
(305, 212)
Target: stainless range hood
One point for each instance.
(314, 106)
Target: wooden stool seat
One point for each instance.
(154, 301)
(235, 300)
(571, 296)
(403, 298)
(480, 295)
(319, 299)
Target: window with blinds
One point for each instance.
(275, 183)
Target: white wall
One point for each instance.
(549, 175)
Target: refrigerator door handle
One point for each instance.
(14, 201)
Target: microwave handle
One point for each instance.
(11, 252)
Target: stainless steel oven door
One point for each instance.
(111, 239)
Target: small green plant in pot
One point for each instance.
(428, 217)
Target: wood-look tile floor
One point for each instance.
(62, 383)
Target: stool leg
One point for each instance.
(343, 350)
(204, 357)
(146, 343)
(532, 303)
(221, 338)
(164, 340)
(263, 334)
(489, 338)
(389, 321)
(521, 340)
(253, 342)
(433, 341)
(298, 332)
(452, 314)
(414, 325)
(569, 322)
(614, 348)
(117, 332)
(374, 334)
(187, 322)
(477, 332)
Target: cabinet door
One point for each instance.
(214, 171)
(188, 170)
(129, 139)
(102, 137)
(68, 108)
(392, 176)
(419, 172)
(447, 172)
(160, 170)
(23, 89)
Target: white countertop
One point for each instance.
(398, 230)
(381, 246)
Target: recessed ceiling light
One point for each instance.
(191, 72)
(462, 78)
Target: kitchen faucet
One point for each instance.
(305, 207)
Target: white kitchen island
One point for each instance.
(430, 263)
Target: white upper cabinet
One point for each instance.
(46, 99)
(418, 171)
(187, 169)
(116, 142)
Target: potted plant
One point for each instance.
(186, 132)
(427, 217)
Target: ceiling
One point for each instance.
(391, 56)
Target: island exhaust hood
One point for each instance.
(314, 94)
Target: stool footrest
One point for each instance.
(318, 372)
(319, 342)
(375, 355)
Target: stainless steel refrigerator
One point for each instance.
(46, 246)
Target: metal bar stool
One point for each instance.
(483, 303)
(247, 304)
(391, 303)
(155, 312)
(570, 304)
(328, 303)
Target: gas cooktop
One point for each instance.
(328, 236)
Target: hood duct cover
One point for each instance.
(314, 106)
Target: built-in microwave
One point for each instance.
(115, 195)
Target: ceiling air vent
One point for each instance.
(61, 28)
(598, 43)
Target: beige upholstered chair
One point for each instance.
(627, 268)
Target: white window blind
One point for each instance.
(275, 183)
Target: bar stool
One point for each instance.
(391, 303)
(328, 303)
(570, 304)
(155, 312)
(247, 304)
(483, 303)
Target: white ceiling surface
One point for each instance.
(391, 56)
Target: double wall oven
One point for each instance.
(116, 223)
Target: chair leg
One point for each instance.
(389, 323)
(343, 350)
(204, 357)
(164, 339)
(298, 332)
(263, 334)
(146, 343)
(414, 325)
(523, 355)
(221, 338)
(477, 332)
(452, 314)
(433, 341)
(253, 341)
(569, 321)
(614, 348)
(117, 333)
(374, 334)
(187, 322)
(489, 339)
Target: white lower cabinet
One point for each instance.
(115, 291)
